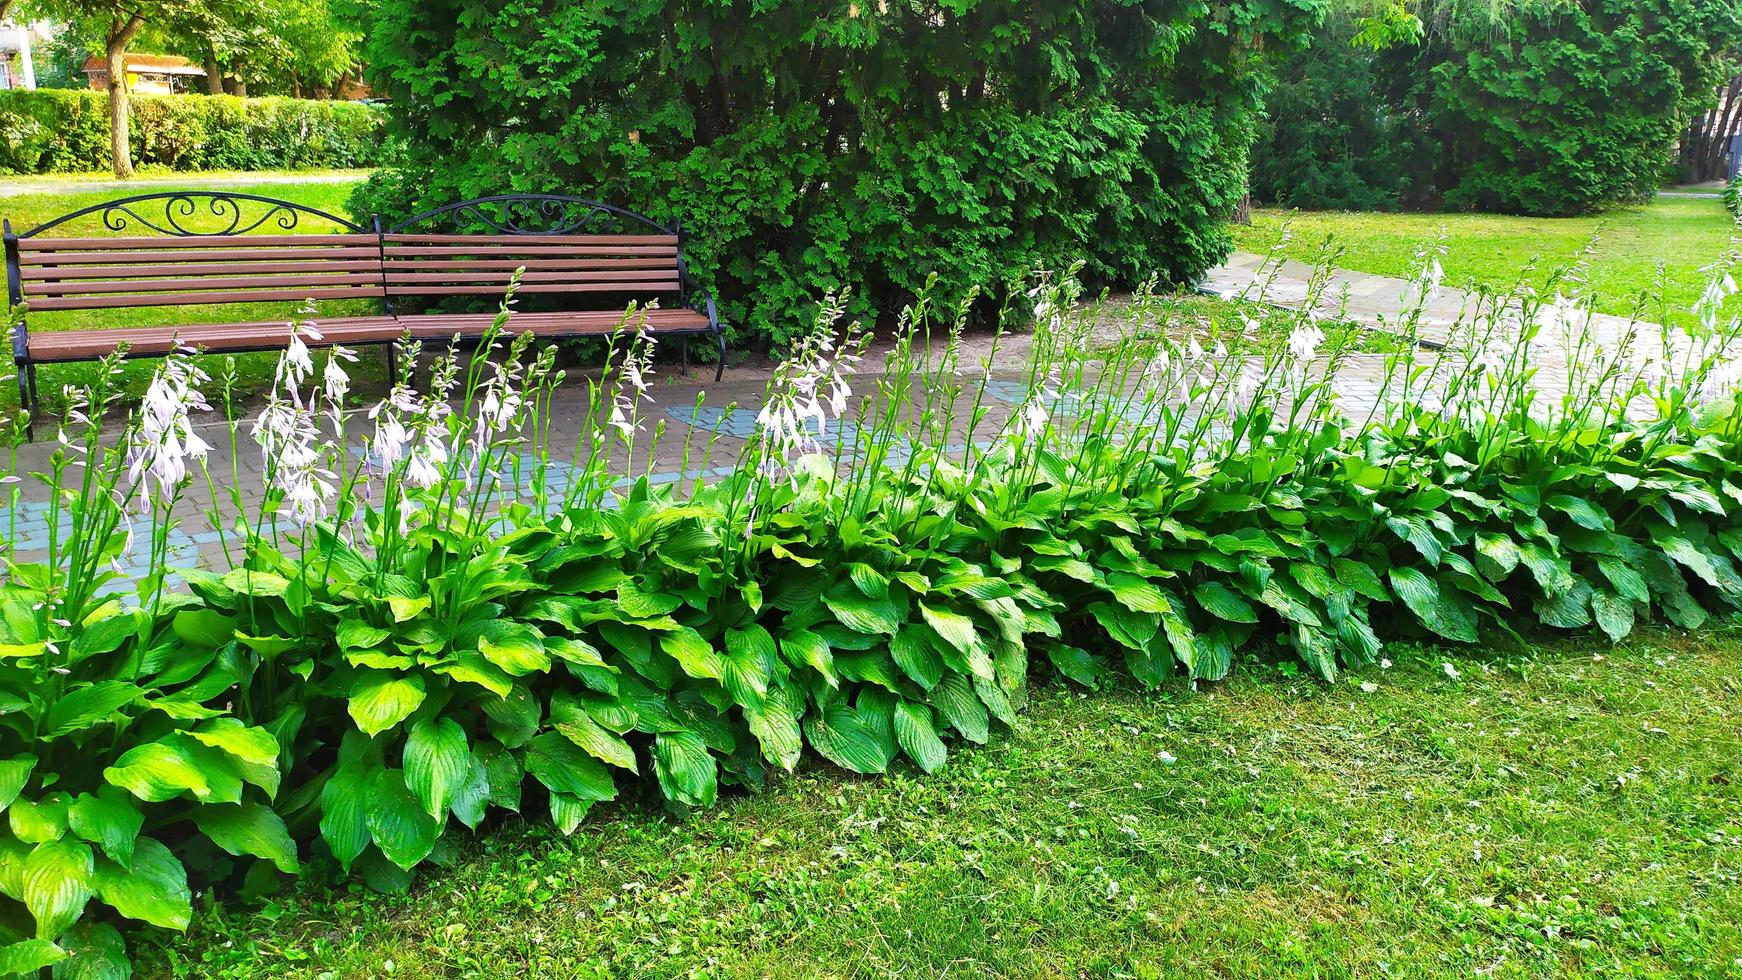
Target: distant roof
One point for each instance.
(151, 64)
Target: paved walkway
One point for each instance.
(14, 186)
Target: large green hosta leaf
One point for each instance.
(840, 735)
(397, 820)
(88, 706)
(1440, 613)
(27, 956)
(955, 700)
(775, 725)
(379, 700)
(109, 820)
(154, 888)
(916, 736)
(563, 768)
(14, 774)
(58, 881)
(438, 762)
(249, 829)
(863, 613)
(685, 769)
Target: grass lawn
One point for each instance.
(1571, 811)
(1681, 233)
(26, 211)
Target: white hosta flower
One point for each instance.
(334, 378)
(408, 433)
(1720, 285)
(1433, 277)
(808, 389)
(1304, 341)
(621, 409)
(501, 407)
(1251, 376)
(165, 441)
(631, 390)
(289, 441)
(423, 469)
(1035, 415)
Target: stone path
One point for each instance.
(1380, 301)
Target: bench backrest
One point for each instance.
(206, 250)
(472, 249)
(202, 254)
(475, 265)
(107, 273)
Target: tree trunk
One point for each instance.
(295, 87)
(214, 74)
(1726, 115)
(121, 34)
(1707, 137)
(1243, 210)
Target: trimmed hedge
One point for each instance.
(63, 130)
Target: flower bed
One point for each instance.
(435, 630)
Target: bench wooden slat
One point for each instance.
(75, 345)
(396, 277)
(595, 322)
(532, 239)
(490, 251)
(164, 270)
(650, 286)
(395, 262)
(128, 300)
(191, 241)
(285, 254)
(204, 283)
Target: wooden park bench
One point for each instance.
(211, 248)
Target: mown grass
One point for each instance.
(1680, 233)
(1565, 811)
(26, 211)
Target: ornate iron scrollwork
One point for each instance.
(187, 214)
(531, 214)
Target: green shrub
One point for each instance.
(1329, 140)
(1552, 107)
(829, 145)
(466, 620)
(60, 131)
(1733, 197)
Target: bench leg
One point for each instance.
(392, 365)
(720, 342)
(686, 354)
(24, 387)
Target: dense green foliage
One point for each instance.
(1733, 197)
(469, 628)
(819, 145)
(56, 131)
(1549, 107)
(1327, 140)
